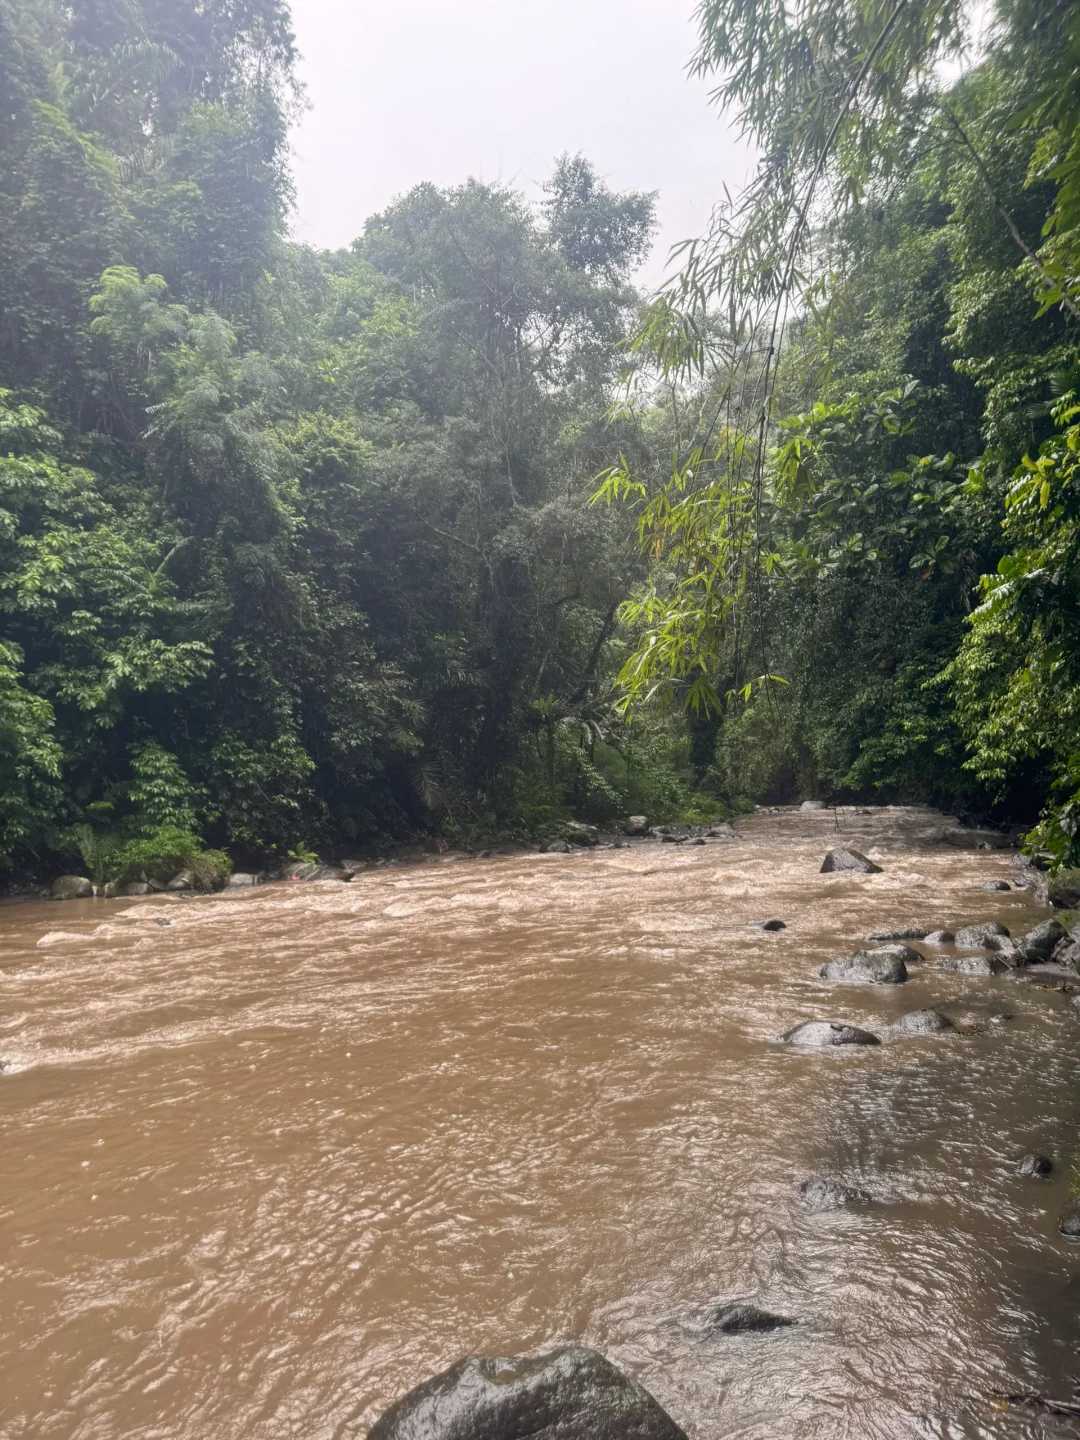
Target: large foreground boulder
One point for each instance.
(571, 1393)
(816, 1034)
(885, 966)
(71, 887)
(849, 860)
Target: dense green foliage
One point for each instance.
(865, 554)
(295, 547)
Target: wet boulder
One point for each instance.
(1035, 1167)
(923, 1022)
(739, 1317)
(939, 937)
(907, 932)
(983, 936)
(848, 860)
(555, 847)
(578, 833)
(996, 885)
(869, 967)
(818, 1034)
(973, 964)
(134, 888)
(721, 832)
(1069, 1224)
(820, 1194)
(571, 1393)
(770, 925)
(1037, 946)
(71, 887)
(241, 880)
(184, 881)
(812, 805)
(636, 825)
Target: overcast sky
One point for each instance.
(408, 90)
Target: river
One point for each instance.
(272, 1157)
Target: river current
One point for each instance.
(270, 1158)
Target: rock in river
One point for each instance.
(981, 937)
(1035, 1166)
(1069, 1224)
(907, 932)
(571, 1393)
(973, 964)
(819, 1033)
(939, 937)
(869, 967)
(70, 887)
(739, 1317)
(1039, 944)
(636, 825)
(923, 1022)
(853, 860)
(769, 925)
(818, 1193)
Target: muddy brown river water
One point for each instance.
(270, 1158)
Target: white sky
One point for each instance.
(403, 91)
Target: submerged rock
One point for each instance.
(820, 1033)
(770, 925)
(739, 1317)
(996, 885)
(71, 887)
(571, 1393)
(923, 1022)
(869, 967)
(820, 1194)
(853, 860)
(962, 839)
(910, 932)
(1035, 1166)
(982, 936)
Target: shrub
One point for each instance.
(163, 853)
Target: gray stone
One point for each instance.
(823, 1033)
(1040, 943)
(820, 1194)
(578, 833)
(869, 967)
(555, 847)
(849, 860)
(996, 885)
(973, 964)
(1063, 889)
(923, 1022)
(962, 839)
(939, 937)
(1035, 1167)
(184, 881)
(1069, 1224)
(910, 932)
(721, 832)
(982, 936)
(571, 1393)
(739, 1317)
(70, 887)
(636, 825)
(812, 805)
(241, 880)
